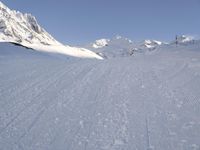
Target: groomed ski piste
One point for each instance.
(53, 101)
(150, 101)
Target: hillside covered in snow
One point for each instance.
(142, 96)
(23, 29)
(146, 102)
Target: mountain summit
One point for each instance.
(18, 27)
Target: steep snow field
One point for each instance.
(150, 101)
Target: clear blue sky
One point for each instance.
(83, 21)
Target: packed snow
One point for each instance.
(145, 96)
(149, 101)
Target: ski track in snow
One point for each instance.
(144, 102)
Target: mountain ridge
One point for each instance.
(24, 29)
(120, 46)
(16, 27)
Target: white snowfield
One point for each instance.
(64, 50)
(149, 101)
(147, 98)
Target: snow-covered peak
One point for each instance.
(117, 46)
(117, 41)
(150, 44)
(100, 43)
(120, 46)
(184, 39)
(3, 7)
(22, 28)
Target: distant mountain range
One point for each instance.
(24, 29)
(121, 47)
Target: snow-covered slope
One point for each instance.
(121, 47)
(150, 101)
(24, 29)
(18, 27)
(147, 102)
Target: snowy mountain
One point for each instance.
(147, 102)
(184, 40)
(24, 29)
(18, 27)
(100, 43)
(121, 47)
(150, 44)
(110, 48)
(124, 47)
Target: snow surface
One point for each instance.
(149, 101)
(51, 101)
